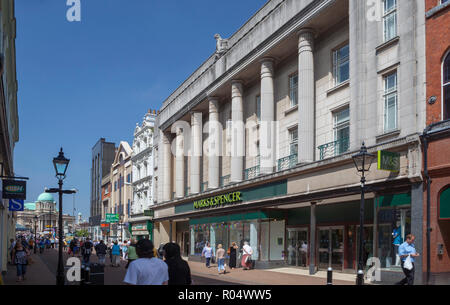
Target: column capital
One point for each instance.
(213, 105)
(237, 86)
(267, 59)
(307, 31)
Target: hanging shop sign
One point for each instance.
(16, 205)
(14, 189)
(112, 218)
(217, 201)
(388, 161)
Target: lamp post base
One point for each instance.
(360, 278)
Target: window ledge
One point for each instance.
(389, 134)
(387, 44)
(437, 9)
(290, 110)
(338, 87)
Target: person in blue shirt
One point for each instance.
(408, 249)
(398, 240)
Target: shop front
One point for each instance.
(142, 230)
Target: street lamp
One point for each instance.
(61, 163)
(363, 161)
(35, 233)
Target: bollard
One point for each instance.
(82, 274)
(360, 278)
(87, 275)
(330, 276)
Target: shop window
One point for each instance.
(293, 89)
(444, 204)
(394, 223)
(201, 237)
(277, 240)
(265, 236)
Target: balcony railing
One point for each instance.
(224, 180)
(335, 148)
(204, 187)
(187, 190)
(252, 172)
(287, 162)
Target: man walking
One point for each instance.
(408, 249)
(87, 250)
(100, 249)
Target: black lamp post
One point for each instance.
(35, 233)
(61, 164)
(362, 161)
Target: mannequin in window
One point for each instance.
(397, 241)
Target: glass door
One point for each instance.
(331, 248)
(297, 247)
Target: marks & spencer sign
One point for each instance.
(218, 201)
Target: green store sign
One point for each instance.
(218, 200)
(388, 161)
(112, 218)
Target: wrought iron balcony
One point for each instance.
(334, 149)
(187, 190)
(252, 172)
(225, 180)
(287, 162)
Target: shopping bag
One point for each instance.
(408, 263)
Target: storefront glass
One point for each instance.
(201, 237)
(265, 235)
(277, 231)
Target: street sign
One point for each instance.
(112, 218)
(14, 189)
(16, 205)
(388, 161)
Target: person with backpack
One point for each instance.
(87, 250)
(125, 250)
(100, 250)
(115, 251)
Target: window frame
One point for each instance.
(334, 63)
(386, 96)
(444, 84)
(292, 141)
(290, 89)
(386, 15)
(258, 105)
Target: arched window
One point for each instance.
(444, 204)
(446, 87)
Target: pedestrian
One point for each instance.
(147, 269)
(87, 250)
(100, 250)
(125, 250)
(24, 242)
(132, 255)
(52, 243)
(408, 249)
(72, 247)
(115, 254)
(160, 251)
(232, 252)
(41, 246)
(64, 245)
(247, 256)
(31, 244)
(208, 254)
(20, 255)
(220, 255)
(179, 271)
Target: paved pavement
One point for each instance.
(43, 272)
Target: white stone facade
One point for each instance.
(143, 161)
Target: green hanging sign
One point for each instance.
(388, 161)
(112, 218)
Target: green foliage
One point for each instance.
(82, 233)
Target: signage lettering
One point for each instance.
(388, 161)
(13, 189)
(218, 200)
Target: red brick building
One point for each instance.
(436, 139)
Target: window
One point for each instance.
(293, 141)
(341, 65)
(390, 19)
(446, 87)
(129, 178)
(258, 108)
(342, 131)
(390, 102)
(293, 89)
(115, 186)
(128, 207)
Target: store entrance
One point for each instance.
(297, 247)
(331, 248)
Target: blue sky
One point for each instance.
(80, 81)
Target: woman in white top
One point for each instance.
(247, 252)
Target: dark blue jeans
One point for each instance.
(208, 261)
(21, 269)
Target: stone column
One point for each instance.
(196, 152)
(166, 155)
(213, 144)
(237, 132)
(306, 130)
(267, 126)
(179, 169)
(312, 240)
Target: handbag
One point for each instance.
(408, 263)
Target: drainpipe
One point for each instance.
(427, 178)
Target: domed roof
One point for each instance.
(46, 197)
(30, 206)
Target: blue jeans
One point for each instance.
(221, 263)
(208, 261)
(21, 269)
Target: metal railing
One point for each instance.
(187, 190)
(225, 180)
(334, 148)
(252, 172)
(287, 162)
(204, 187)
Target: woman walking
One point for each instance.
(220, 255)
(132, 255)
(20, 255)
(233, 252)
(125, 250)
(207, 253)
(115, 254)
(179, 271)
(247, 256)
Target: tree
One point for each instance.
(82, 233)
